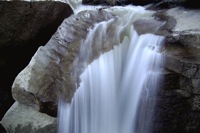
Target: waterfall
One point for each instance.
(117, 89)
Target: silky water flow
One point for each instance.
(116, 90)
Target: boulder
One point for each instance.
(24, 119)
(24, 26)
(48, 75)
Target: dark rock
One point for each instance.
(49, 108)
(177, 109)
(191, 4)
(24, 26)
(173, 104)
(167, 4)
(177, 106)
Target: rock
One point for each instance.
(148, 25)
(24, 26)
(48, 75)
(49, 72)
(182, 43)
(187, 28)
(173, 104)
(24, 119)
(177, 108)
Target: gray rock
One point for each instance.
(182, 49)
(187, 28)
(49, 72)
(24, 26)
(24, 119)
(196, 86)
(148, 25)
(48, 75)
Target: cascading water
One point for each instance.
(115, 89)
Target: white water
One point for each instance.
(115, 89)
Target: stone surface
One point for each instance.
(24, 26)
(187, 29)
(177, 109)
(148, 25)
(182, 48)
(173, 104)
(48, 74)
(24, 119)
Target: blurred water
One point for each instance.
(116, 90)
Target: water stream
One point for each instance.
(117, 89)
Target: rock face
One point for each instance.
(178, 101)
(49, 72)
(24, 26)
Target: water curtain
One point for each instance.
(116, 89)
